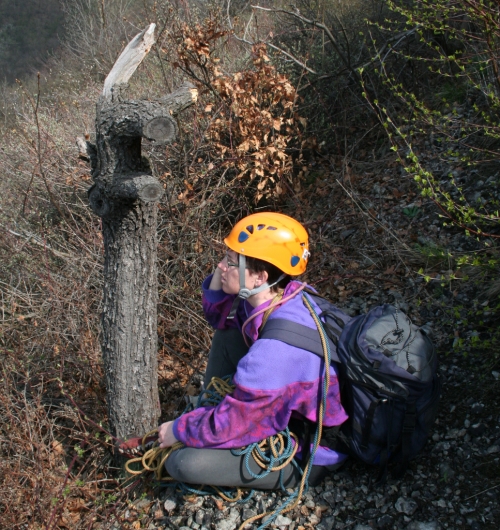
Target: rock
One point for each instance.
(477, 408)
(328, 523)
(281, 520)
(446, 472)
(406, 506)
(346, 233)
(198, 518)
(415, 525)
(170, 504)
(230, 521)
(248, 513)
(476, 430)
(386, 521)
(310, 504)
(370, 513)
(313, 519)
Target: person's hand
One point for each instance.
(166, 434)
(216, 283)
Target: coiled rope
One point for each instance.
(272, 454)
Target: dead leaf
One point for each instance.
(57, 447)
(76, 505)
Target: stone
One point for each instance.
(170, 504)
(386, 521)
(476, 430)
(446, 472)
(370, 513)
(406, 506)
(416, 525)
(198, 518)
(282, 520)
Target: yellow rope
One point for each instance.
(271, 443)
(271, 308)
(153, 459)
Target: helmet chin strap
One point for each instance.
(244, 292)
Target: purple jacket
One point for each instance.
(273, 382)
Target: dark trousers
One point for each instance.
(228, 347)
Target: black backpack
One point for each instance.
(389, 386)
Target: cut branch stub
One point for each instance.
(147, 119)
(128, 188)
(160, 130)
(120, 127)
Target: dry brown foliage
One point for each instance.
(248, 126)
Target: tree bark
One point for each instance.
(129, 321)
(125, 196)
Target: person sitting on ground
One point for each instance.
(275, 383)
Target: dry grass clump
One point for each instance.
(48, 456)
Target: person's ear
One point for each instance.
(262, 277)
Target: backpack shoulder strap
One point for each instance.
(296, 335)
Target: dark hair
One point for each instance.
(273, 273)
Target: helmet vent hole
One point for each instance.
(243, 236)
(272, 228)
(250, 229)
(260, 227)
(294, 261)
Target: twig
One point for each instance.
(481, 492)
(360, 205)
(280, 50)
(321, 26)
(31, 237)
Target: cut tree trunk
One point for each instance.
(125, 195)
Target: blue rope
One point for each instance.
(284, 452)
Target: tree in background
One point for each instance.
(29, 31)
(97, 30)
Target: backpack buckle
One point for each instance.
(409, 422)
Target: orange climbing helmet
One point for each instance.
(272, 237)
